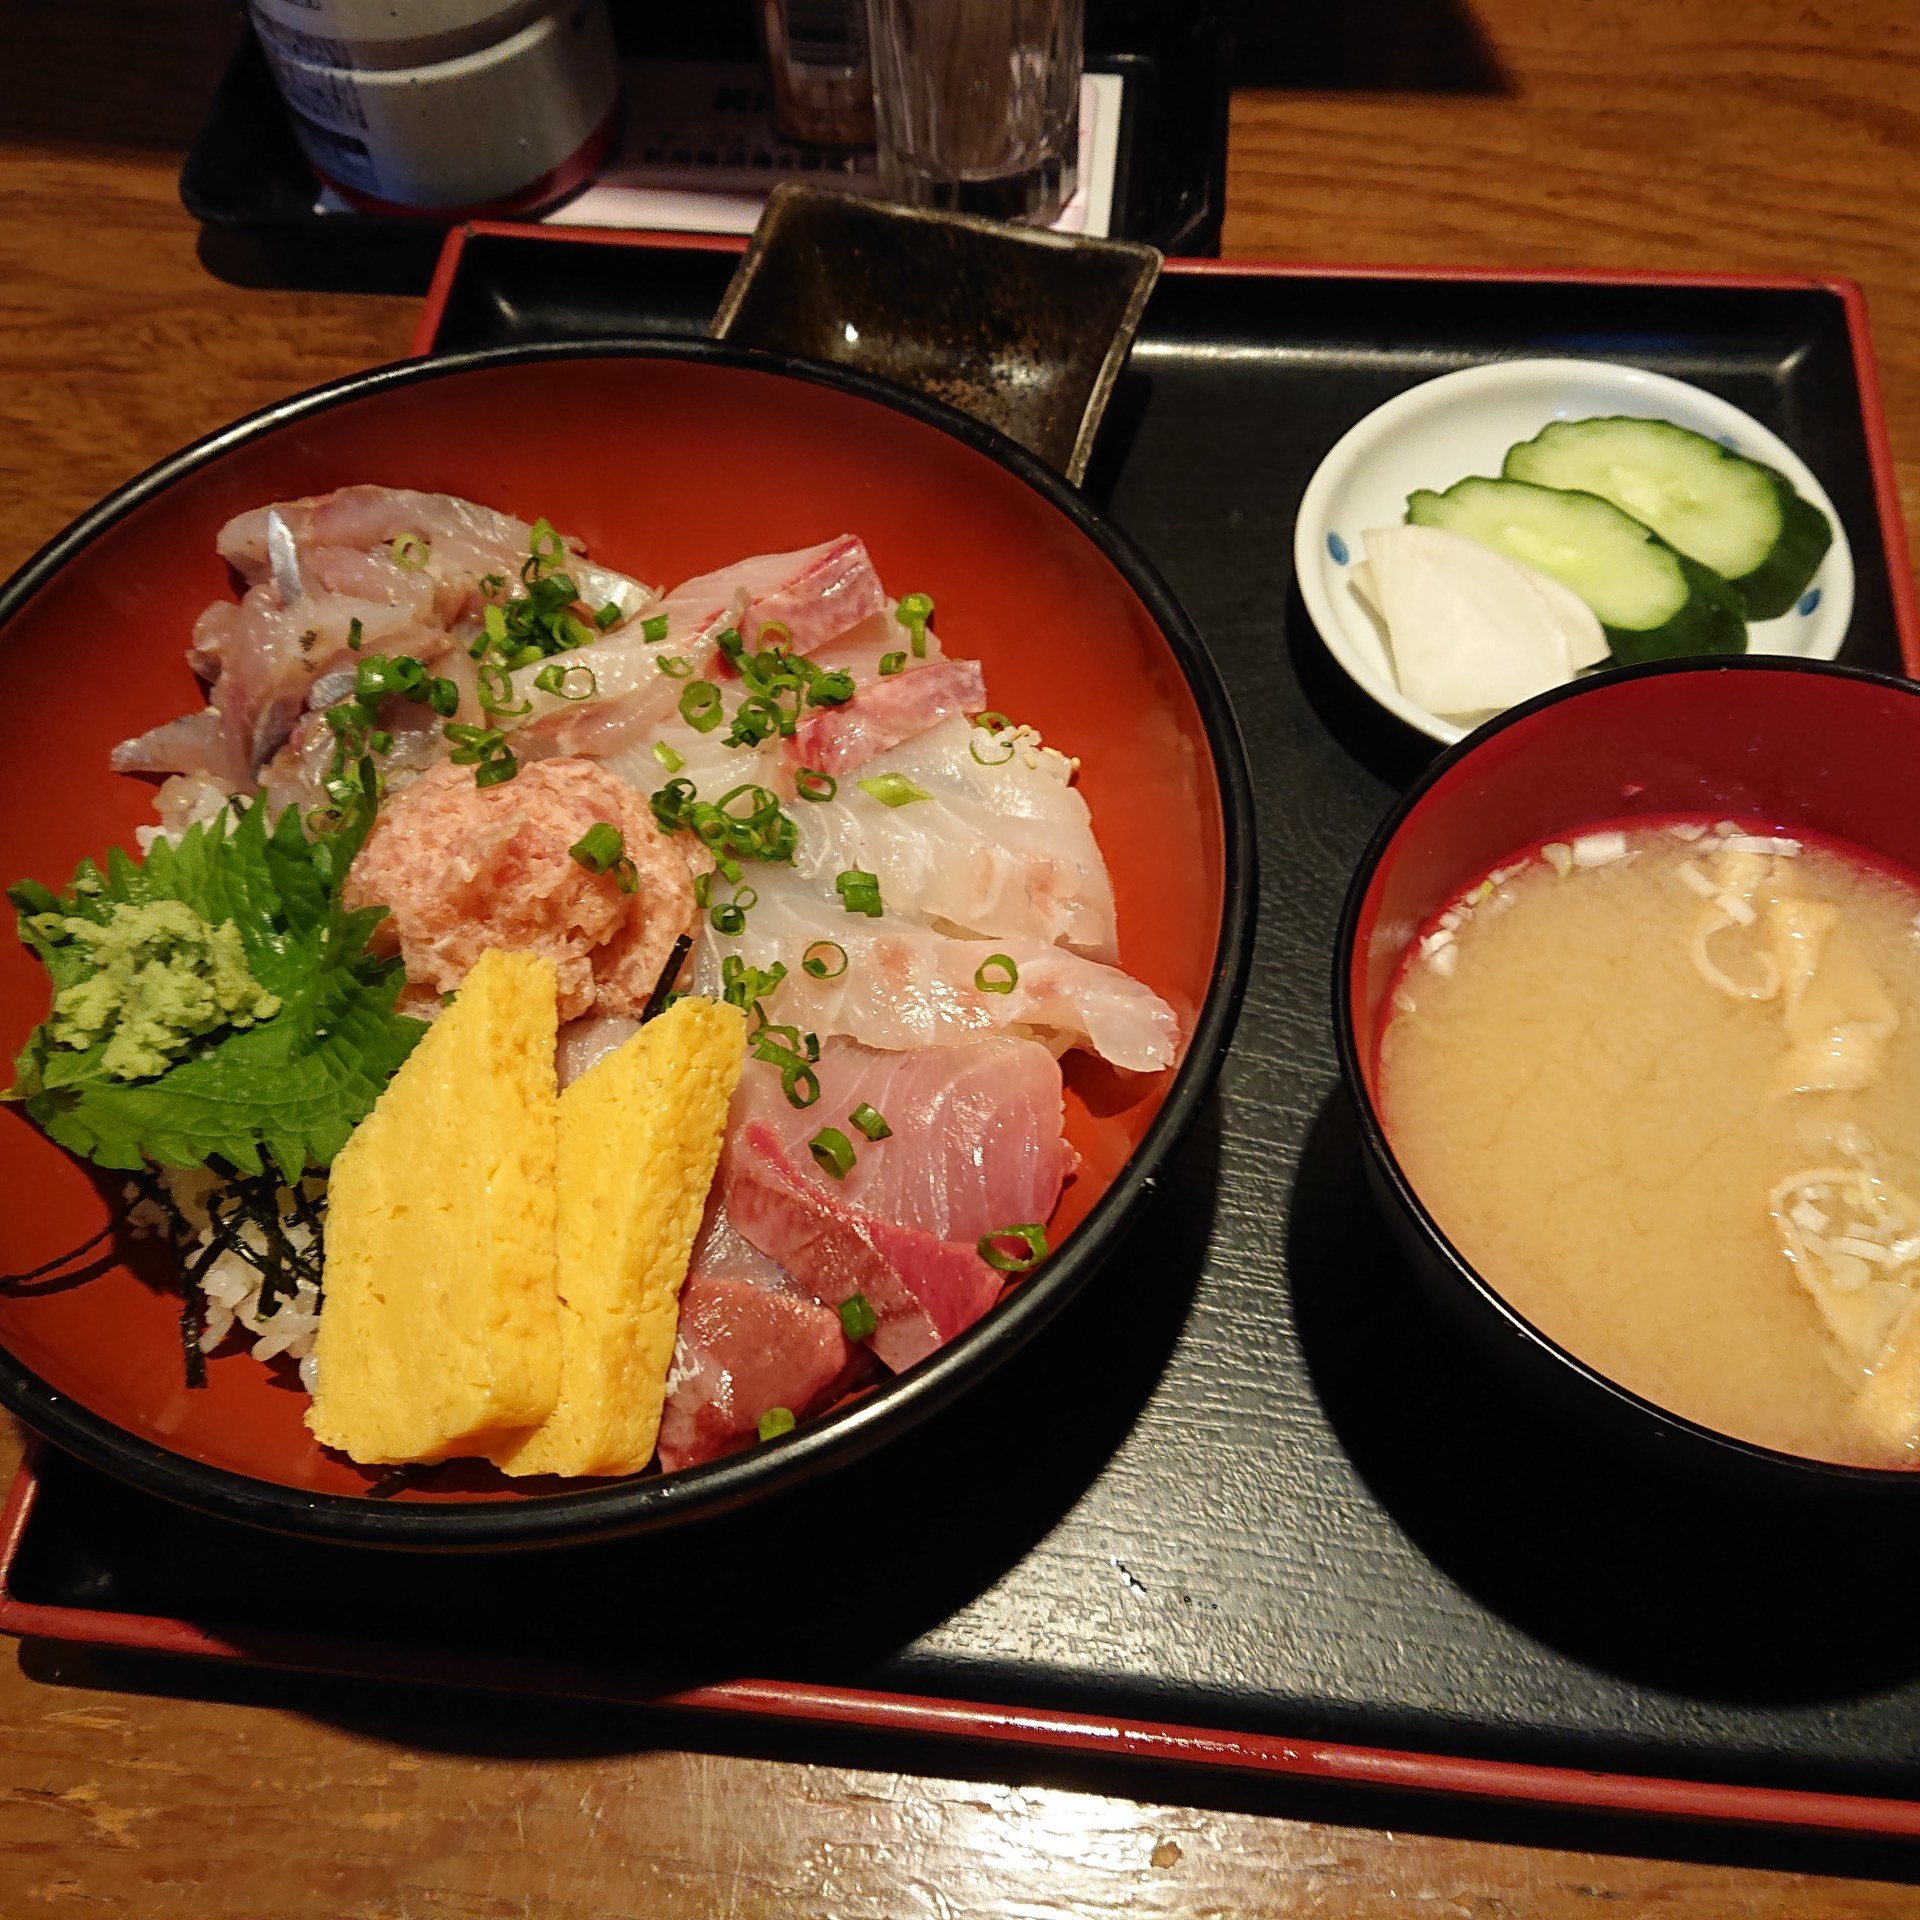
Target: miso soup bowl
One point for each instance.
(1804, 745)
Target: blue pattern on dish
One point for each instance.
(1808, 601)
(1338, 548)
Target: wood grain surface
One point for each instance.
(1761, 135)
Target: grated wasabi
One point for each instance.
(164, 977)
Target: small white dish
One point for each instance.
(1463, 423)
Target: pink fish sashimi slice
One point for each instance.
(818, 592)
(741, 1351)
(832, 593)
(923, 1290)
(976, 1139)
(880, 716)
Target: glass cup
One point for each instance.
(817, 60)
(977, 103)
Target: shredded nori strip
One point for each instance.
(246, 1200)
(657, 999)
(180, 1236)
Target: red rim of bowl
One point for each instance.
(1356, 919)
(846, 1433)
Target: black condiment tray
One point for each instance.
(248, 184)
(1242, 1503)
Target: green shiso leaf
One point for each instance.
(287, 1091)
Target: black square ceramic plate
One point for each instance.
(1243, 1487)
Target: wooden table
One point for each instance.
(1775, 136)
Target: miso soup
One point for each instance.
(1661, 1087)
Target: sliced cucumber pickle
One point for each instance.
(1654, 602)
(1735, 515)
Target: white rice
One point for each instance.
(230, 1288)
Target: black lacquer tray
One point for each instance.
(1241, 1503)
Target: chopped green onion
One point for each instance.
(892, 789)
(758, 717)
(996, 974)
(553, 679)
(999, 732)
(672, 761)
(599, 847)
(892, 663)
(776, 1421)
(607, 615)
(355, 634)
(859, 892)
(830, 689)
(762, 803)
(819, 960)
(409, 551)
(857, 1316)
(492, 584)
(544, 544)
(833, 1150)
(762, 832)
(778, 628)
(700, 706)
(870, 1121)
(495, 686)
(1032, 1237)
(670, 804)
(810, 784)
(729, 916)
(443, 696)
(485, 750)
(770, 1041)
(745, 987)
(780, 1047)
(913, 613)
(673, 666)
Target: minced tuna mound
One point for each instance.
(463, 868)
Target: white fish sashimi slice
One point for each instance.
(1467, 628)
(632, 692)
(816, 593)
(317, 570)
(704, 758)
(999, 850)
(906, 985)
(265, 657)
(975, 1137)
(464, 541)
(860, 649)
